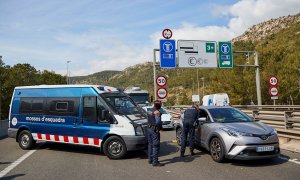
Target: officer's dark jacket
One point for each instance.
(191, 116)
(152, 121)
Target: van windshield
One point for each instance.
(122, 104)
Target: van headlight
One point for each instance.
(139, 131)
(235, 133)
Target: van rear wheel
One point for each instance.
(26, 140)
(114, 148)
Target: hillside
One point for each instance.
(264, 29)
(278, 45)
(96, 78)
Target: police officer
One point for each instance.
(154, 126)
(190, 121)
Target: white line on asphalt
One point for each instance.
(16, 163)
(290, 160)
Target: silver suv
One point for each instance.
(227, 132)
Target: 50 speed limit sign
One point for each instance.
(161, 81)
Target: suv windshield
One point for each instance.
(228, 115)
(139, 98)
(121, 104)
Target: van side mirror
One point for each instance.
(103, 114)
(151, 99)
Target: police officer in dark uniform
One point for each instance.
(154, 126)
(190, 121)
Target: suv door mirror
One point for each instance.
(202, 119)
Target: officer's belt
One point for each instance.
(152, 125)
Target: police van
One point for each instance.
(92, 115)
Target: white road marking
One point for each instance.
(290, 160)
(16, 163)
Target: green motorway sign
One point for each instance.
(225, 55)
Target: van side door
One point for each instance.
(96, 120)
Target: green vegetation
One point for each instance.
(22, 75)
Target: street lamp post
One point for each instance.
(0, 90)
(68, 71)
(203, 86)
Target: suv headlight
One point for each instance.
(274, 132)
(235, 133)
(139, 131)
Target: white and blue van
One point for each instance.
(100, 116)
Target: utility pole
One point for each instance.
(198, 84)
(68, 71)
(256, 66)
(1, 90)
(203, 86)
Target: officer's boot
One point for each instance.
(192, 153)
(155, 161)
(181, 154)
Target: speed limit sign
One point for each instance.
(273, 81)
(161, 81)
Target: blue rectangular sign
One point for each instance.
(167, 53)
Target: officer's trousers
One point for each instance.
(153, 144)
(188, 130)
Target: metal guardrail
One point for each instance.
(285, 119)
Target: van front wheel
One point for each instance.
(114, 148)
(25, 140)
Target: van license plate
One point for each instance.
(264, 148)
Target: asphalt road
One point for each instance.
(63, 161)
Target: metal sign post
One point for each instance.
(257, 76)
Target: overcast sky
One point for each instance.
(97, 35)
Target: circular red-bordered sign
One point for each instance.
(273, 81)
(273, 91)
(167, 33)
(161, 93)
(161, 81)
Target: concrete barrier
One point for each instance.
(3, 128)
